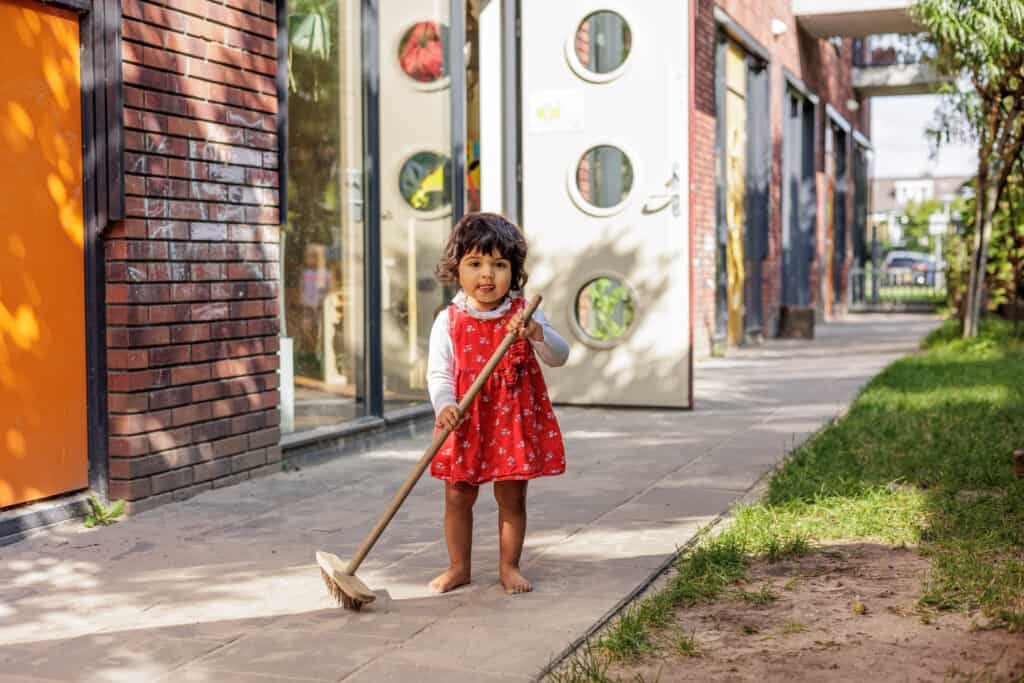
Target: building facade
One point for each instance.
(265, 187)
(780, 170)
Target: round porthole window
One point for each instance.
(601, 45)
(604, 178)
(423, 52)
(425, 181)
(604, 311)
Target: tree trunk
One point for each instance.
(969, 318)
(983, 236)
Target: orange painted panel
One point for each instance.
(43, 447)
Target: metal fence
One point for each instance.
(887, 288)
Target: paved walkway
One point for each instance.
(223, 587)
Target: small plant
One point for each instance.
(640, 678)
(630, 635)
(103, 515)
(749, 630)
(765, 596)
(860, 609)
(586, 667)
(688, 646)
(792, 628)
(777, 549)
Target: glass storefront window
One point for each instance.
(323, 280)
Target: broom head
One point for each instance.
(346, 589)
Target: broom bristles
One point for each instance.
(338, 595)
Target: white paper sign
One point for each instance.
(556, 111)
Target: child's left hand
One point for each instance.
(532, 330)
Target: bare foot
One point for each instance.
(514, 582)
(450, 580)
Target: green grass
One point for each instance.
(922, 458)
(792, 628)
(687, 645)
(760, 598)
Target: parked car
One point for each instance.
(910, 268)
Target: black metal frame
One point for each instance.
(103, 138)
(281, 80)
(841, 129)
(102, 105)
(758, 183)
(374, 361)
(792, 294)
(861, 198)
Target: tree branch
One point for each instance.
(1009, 160)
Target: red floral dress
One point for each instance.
(510, 430)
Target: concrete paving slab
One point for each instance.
(320, 655)
(127, 656)
(403, 671)
(14, 678)
(190, 675)
(222, 587)
(380, 619)
(669, 505)
(495, 648)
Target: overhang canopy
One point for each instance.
(825, 18)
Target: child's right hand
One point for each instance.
(448, 418)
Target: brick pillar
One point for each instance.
(703, 180)
(192, 273)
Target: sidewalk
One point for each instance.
(223, 587)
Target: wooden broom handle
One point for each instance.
(439, 440)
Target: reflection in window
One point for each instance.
(425, 181)
(604, 309)
(423, 52)
(603, 42)
(322, 257)
(604, 176)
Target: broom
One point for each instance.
(342, 583)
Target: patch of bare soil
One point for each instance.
(844, 613)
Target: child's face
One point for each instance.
(485, 278)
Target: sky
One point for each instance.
(902, 150)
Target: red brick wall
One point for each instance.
(704, 169)
(826, 74)
(192, 273)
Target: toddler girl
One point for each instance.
(509, 434)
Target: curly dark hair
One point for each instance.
(486, 233)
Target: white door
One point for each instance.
(416, 202)
(604, 156)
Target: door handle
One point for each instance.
(657, 202)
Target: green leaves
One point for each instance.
(101, 515)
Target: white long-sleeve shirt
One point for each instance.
(553, 349)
